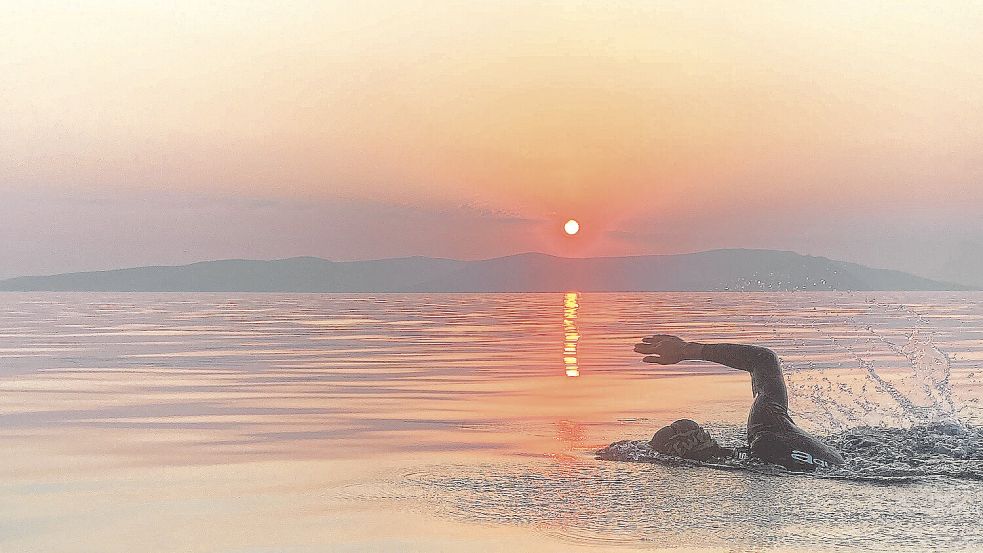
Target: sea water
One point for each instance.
(422, 422)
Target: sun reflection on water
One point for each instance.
(570, 334)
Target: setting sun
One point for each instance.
(571, 227)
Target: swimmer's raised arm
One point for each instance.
(762, 363)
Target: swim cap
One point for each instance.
(685, 438)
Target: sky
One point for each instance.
(135, 133)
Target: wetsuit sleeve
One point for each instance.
(762, 363)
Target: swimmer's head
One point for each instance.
(684, 438)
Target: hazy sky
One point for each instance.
(139, 132)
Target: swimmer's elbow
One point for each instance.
(769, 358)
(768, 365)
(764, 360)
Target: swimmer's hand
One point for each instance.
(665, 349)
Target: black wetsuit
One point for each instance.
(772, 435)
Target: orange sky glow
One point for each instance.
(661, 127)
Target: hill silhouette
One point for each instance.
(716, 270)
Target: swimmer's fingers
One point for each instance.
(657, 342)
(662, 355)
(648, 348)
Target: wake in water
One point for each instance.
(639, 451)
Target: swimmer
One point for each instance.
(772, 436)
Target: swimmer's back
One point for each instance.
(775, 438)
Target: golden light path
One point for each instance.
(571, 227)
(570, 334)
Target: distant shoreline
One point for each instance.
(737, 270)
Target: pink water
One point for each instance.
(269, 422)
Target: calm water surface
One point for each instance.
(288, 422)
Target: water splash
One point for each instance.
(931, 371)
(903, 384)
(946, 450)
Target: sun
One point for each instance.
(571, 227)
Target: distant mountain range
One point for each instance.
(716, 270)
